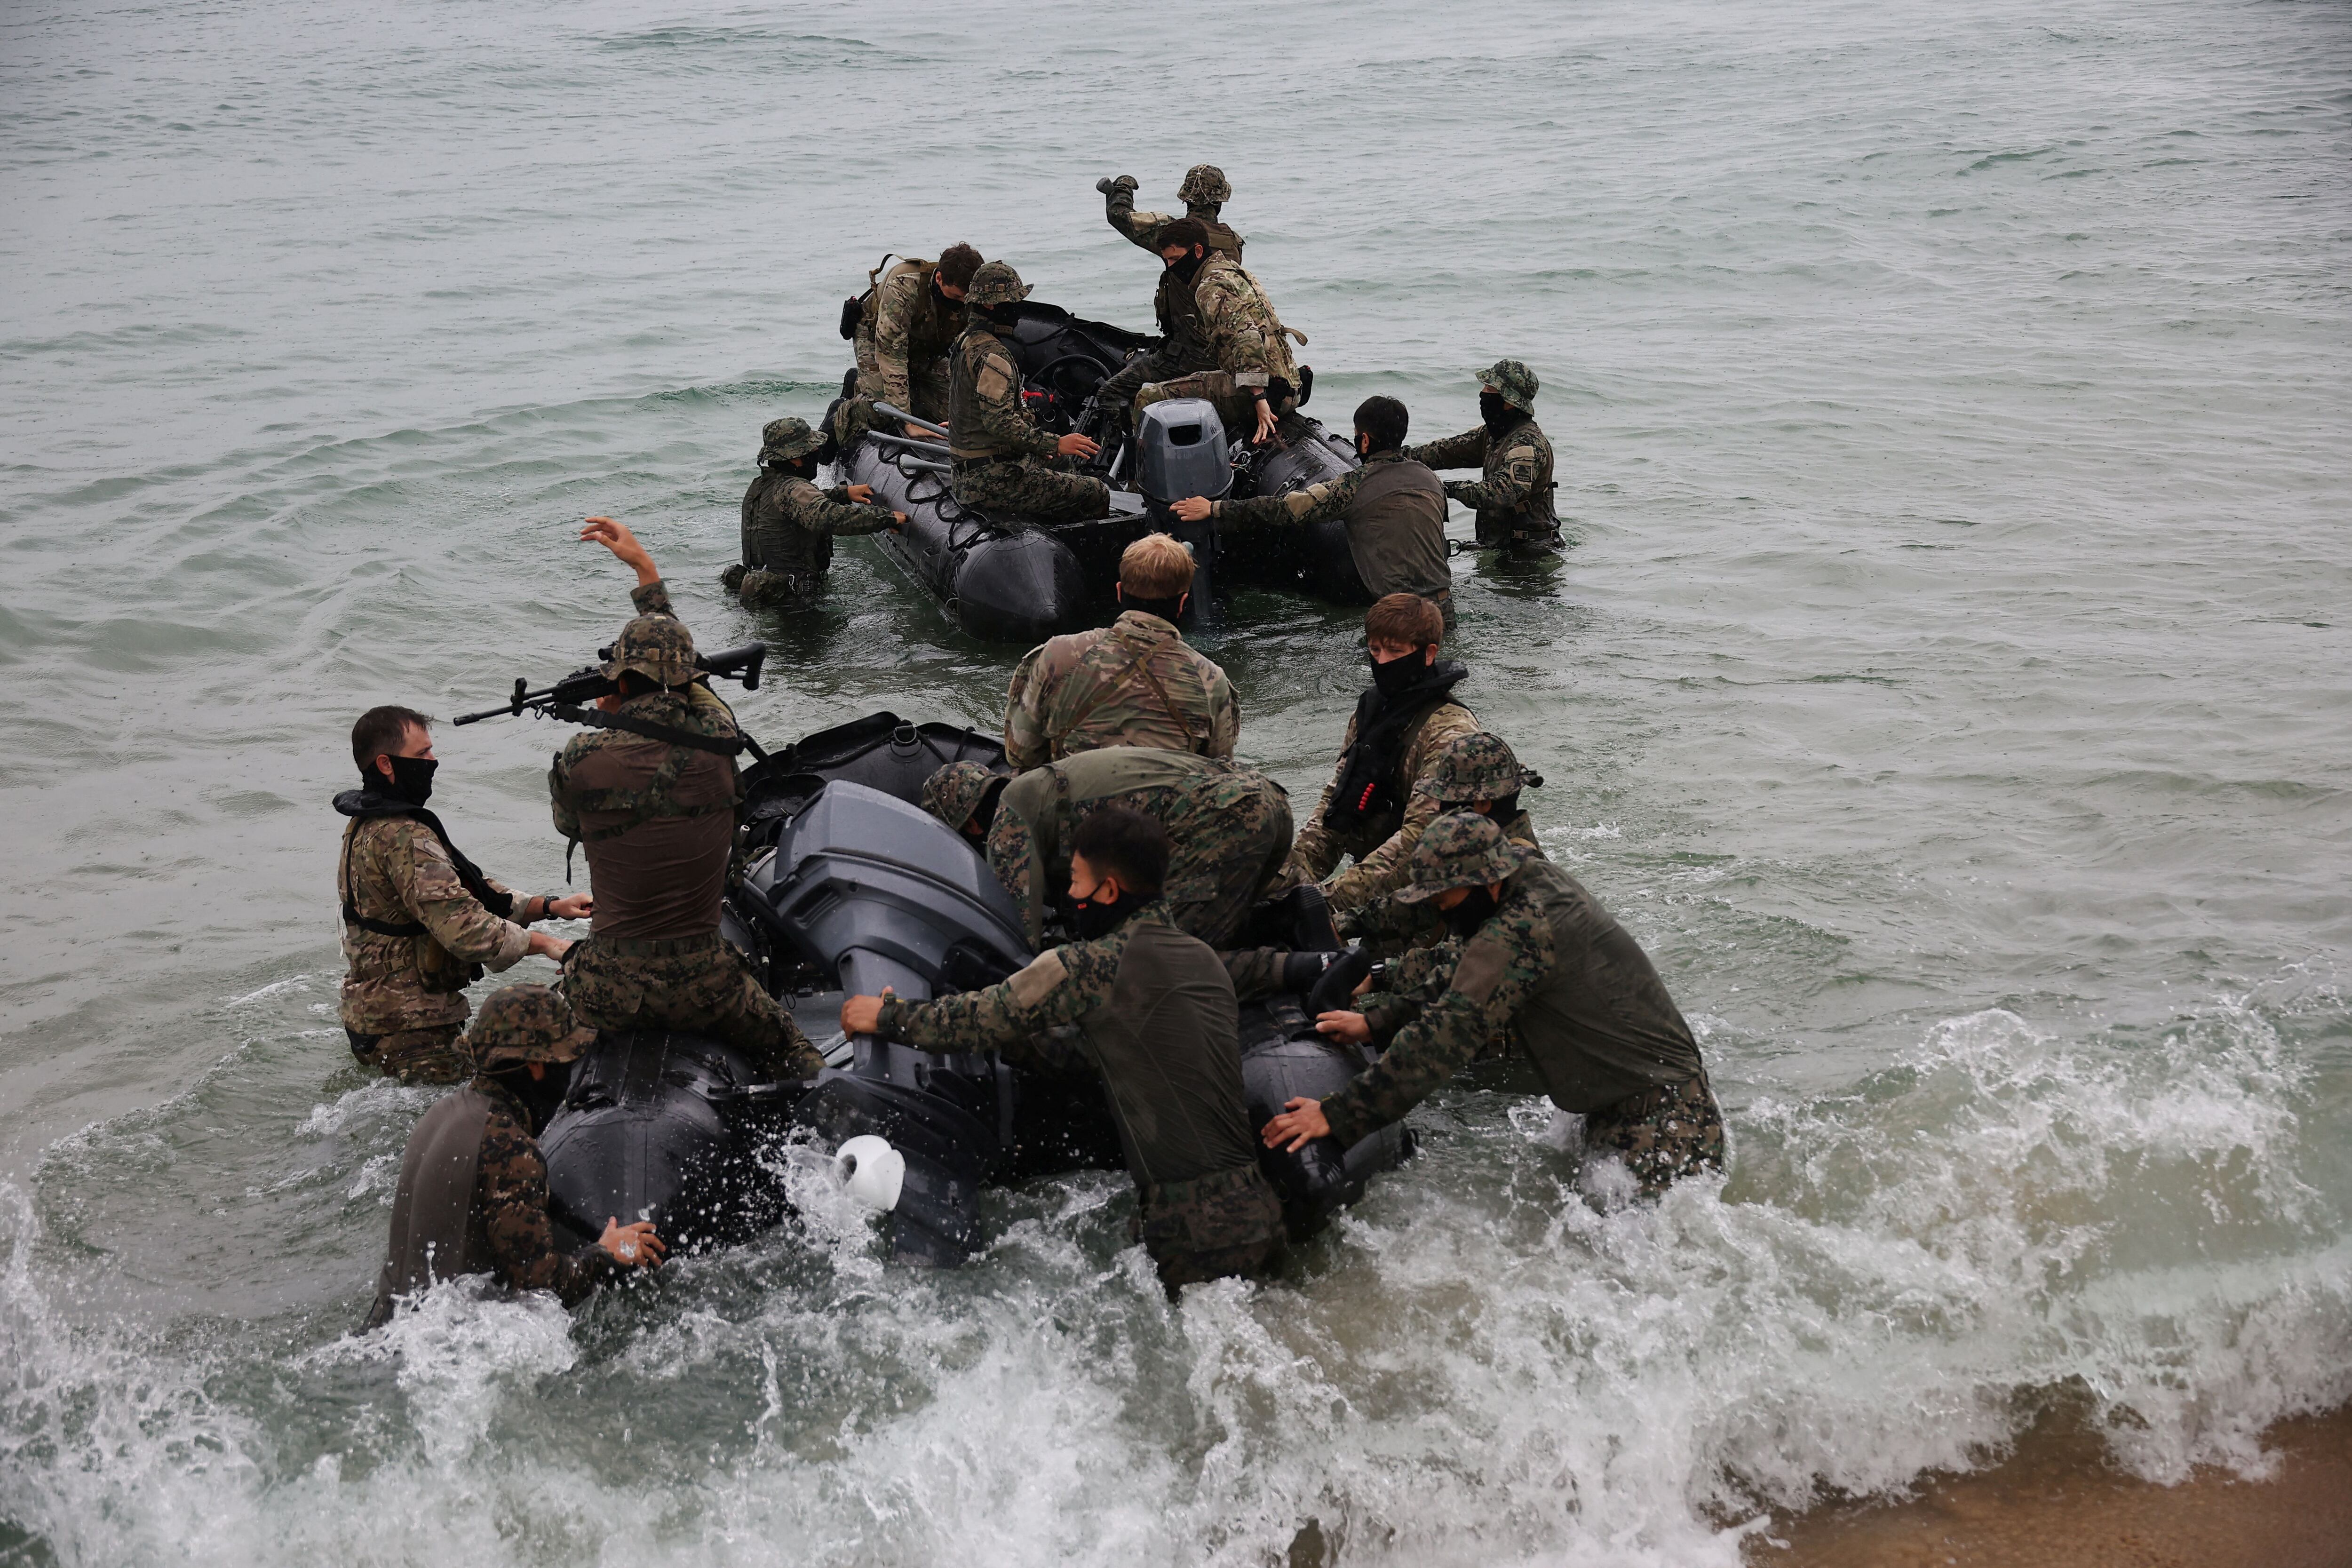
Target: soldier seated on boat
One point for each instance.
(907, 325)
(1182, 350)
(1253, 379)
(789, 524)
(1134, 683)
(1001, 457)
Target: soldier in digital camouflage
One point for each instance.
(1155, 1018)
(1132, 683)
(999, 456)
(912, 317)
(1478, 773)
(1182, 350)
(472, 1193)
(652, 802)
(1534, 960)
(1254, 380)
(420, 920)
(961, 794)
(1512, 496)
(789, 524)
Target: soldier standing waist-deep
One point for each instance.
(652, 800)
(1156, 1020)
(998, 453)
(789, 524)
(1512, 496)
(910, 321)
(420, 920)
(1182, 350)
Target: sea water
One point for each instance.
(1945, 679)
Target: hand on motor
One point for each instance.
(578, 907)
(634, 1245)
(1348, 1028)
(1265, 421)
(861, 494)
(898, 522)
(1077, 446)
(1191, 509)
(616, 538)
(547, 946)
(863, 1015)
(1301, 1122)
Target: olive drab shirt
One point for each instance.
(984, 407)
(1381, 844)
(789, 524)
(904, 338)
(393, 870)
(1243, 335)
(1512, 496)
(1174, 305)
(656, 820)
(1134, 683)
(1395, 512)
(1551, 969)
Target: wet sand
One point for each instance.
(2057, 1503)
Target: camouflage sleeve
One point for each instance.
(651, 599)
(1060, 988)
(1224, 717)
(1003, 424)
(813, 509)
(511, 1188)
(893, 313)
(1382, 868)
(1256, 971)
(1317, 849)
(1509, 480)
(1298, 509)
(1467, 450)
(1498, 971)
(1025, 743)
(427, 887)
(1232, 324)
(1140, 228)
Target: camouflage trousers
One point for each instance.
(1227, 1222)
(1236, 406)
(699, 984)
(1663, 1134)
(760, 590)
(414, 1056)
(1028, 488)
(1219, 869)
(1116, 396)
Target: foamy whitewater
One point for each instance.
(1946, 682)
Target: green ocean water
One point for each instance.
(1945, 680)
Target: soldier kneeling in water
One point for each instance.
(472, 1197)
(789, 524)
(1539, 959)
(1157, 1020)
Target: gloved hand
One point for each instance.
(1334, 991)
(1300, 970)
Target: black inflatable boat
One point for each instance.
(850, 886)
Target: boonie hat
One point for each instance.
(526, 1024)
(1461, 849)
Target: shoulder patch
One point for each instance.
(1035, 983)
(1481, 970)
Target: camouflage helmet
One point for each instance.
(1462, 849)
(1514, 381)
(994, 284)
(955, 792)
(785, 439)
(658, 648)
(1205, 186)
(1477, 766)
(526, 1024)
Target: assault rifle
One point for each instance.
(569, 698)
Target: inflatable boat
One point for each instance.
(848, 886)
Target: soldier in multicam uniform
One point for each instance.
(1131, 683)
(1156, 1019)
(910, 321)
(998, 454)
(1513, 497)
(1372, 809)
(420, 920)
(789, 524)
(1255, 380)
(1479, 772)
(1394, 508)
(653, 800)
(1538, 961)
(472, 1194)
(1181, 349)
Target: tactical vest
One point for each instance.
(1178, 311)
(1369, 795)
(1396, 530)
(441, 972)
(1537, 514)
(1600, 1026)
(963, 391)
(437, 1231)
(773, 542)
(1167, 1044)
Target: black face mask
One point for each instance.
(1094, 918)
(1005, 315)
(1465, 918)
(1399, 676)
(540, 1098)
(1496, 414)
(412, 779)
(1189, 266)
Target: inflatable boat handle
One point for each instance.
(900, 414)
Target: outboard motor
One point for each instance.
(1180, 452)
(1283, 1058)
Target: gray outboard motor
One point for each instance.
(1181, 451)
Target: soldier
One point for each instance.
(965, 796)
(1370, 809)
(1132, 683)
(910, 321)
(998, 452)
(1182, 350)
(1231, 825)
(1514, 496)
(1394, 508)
(1477, 771)
(420, 920)
(653, 797)
(472, 1195)
(789, 524)
(1255, 381)
(1540, 960)
(1156, 1019)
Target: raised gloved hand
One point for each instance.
(1124, 181)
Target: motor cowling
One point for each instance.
(1181, 451)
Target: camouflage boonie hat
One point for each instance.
(1460, 850)
(994, 284)
(526, 1024)
(656, 647)
(1514, 380)
(785, 439)
(1205, 184)
(1477, 766)
(955, 792)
